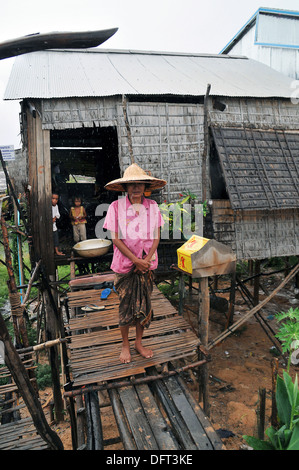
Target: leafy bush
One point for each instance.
(286, 437)
(288, 331)
(43, 376)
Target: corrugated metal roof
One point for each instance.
(99, 72)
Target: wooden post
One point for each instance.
(203, 324)
(181, 293)
(261, 412)
(21, 378)
(39, 170)
(128, 128)
(231, 310)
(94, 425)
(206, 143)
(257, 270)
(19, 245)
(51, 332)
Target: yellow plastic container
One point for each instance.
(195, 243)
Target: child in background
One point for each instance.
(55, 216)
(78, 220)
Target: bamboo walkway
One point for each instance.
(96, 339)
(20, 434)
(152, 411)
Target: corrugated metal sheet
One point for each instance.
(278, 30)
(98, 72)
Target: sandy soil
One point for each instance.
(240, 365)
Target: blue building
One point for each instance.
(270, 36)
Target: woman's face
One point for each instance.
(135, 191)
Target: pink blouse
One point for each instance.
(137, 226)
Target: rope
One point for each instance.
(15, 303)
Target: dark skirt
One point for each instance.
(134, 291)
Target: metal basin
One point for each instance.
(93, 247)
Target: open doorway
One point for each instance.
(83, 160)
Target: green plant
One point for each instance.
(171, 291)
(3, 284)
(173, 214)
(43, 376)
(289, 331)
(286, 437)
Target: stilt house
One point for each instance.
(236, 145)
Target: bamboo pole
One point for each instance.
(14, 296)
(133, 381)
(253, 311)
(129, 134)
(31, 282)
(45, 345)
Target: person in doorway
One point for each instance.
(78, 220)
(55, 217)
(134, 222)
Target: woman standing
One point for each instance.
(134, 222)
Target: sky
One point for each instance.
(195, 26)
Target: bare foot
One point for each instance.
(145, 352)
(125, 355)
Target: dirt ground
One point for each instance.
(239, 366)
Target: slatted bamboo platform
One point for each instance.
(159, 414)
(21, 435)
(95, 355)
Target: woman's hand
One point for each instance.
(142, 265)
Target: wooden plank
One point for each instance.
(179, 426)
(183, 406)
(205, 422)
(141, 430)
(162, 433)
(121, 421)
(94, 423)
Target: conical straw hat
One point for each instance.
(135, 174)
